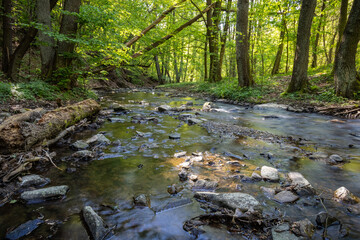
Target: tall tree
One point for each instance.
(299, 79)
(224, 37)
(276, 67)
(7, 34)
(317, 36)
(347, 80)
(47, 50)
(214, 31)
(242, 46)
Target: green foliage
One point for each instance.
(38, 89)
(5, 91)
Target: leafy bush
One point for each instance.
(38, 89)
(5, 91)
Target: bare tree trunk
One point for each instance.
(224, 37)
(157, 65)
(277, 62)
(299, 78)
(242, 48)
(214, 43)
(342, 21)
(206, 60)
(347, 80)
(317, 36)
(47, 51)
(7, 34)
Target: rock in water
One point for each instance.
(205, 185)
(180, 154)
(303, 228)
(83, 155)
(79, 145)
(269, 173)
(45, 193)
(175, 136)
(207, 106)
(285, 197)
(335, 159)
(33, 180)
(232, 201)
(98, 139)
(164, 108)
(282, 232)
(344, 195)
(23, 229)
(95, 223)
(141, 200)
(301, 185)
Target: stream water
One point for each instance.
(145, 165)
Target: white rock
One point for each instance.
(269, 173)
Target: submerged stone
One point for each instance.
(45, 193)
(33, 180)
(24, 229)
(98, 139)
(164, 108)
(175, 136)
(286, 197)
(79, 145)
(232, 201)
(303, 228)
(95, 223)
(202, 184)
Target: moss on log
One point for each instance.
(23, 131)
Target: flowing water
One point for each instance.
(144, 165)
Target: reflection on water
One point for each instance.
(115, 178)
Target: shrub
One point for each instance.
(5, 91)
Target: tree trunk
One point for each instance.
(47, 51)
(214, 43)
(224, 37)
(68, 27)
(242, 48)
(342, 21)
(23, 131)
(299, 78)
(160, 78)
(7, 34)
(18, 55)
(277, 62)
(347, 81)
(317, 36)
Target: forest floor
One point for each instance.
(320, 96)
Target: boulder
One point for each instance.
(256, 177)
(300, 184)
(303, 228)
(83, 155)
(281, 232)
(335, 159)
(174, 189)
(269, 173)
(45, 193)
(95, 223)
(207, 106)
(232, 201)
(33, 180)
(164, 108)
(193, 121)
(98, 139)
(79, 145)
(202, 184)
(342, 194)
(285, 197)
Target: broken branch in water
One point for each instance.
(50, 159)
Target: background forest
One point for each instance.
(235, 49)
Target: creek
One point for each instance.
(145, 164)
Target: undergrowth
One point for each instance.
(40, 90)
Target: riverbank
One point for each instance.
(319, 98)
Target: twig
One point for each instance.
(50, 159)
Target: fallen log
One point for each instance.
(26, 130)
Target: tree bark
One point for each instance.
(242, 48)
(299, 78)
(214, 43)
(158, 71)
(23, 131)
(342, 21)
(224, 37)
(7, 34)
(68, 27)
(47, 51)
(347, 81)
(317, 36)
(277, 62)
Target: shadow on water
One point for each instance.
(110, 182)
